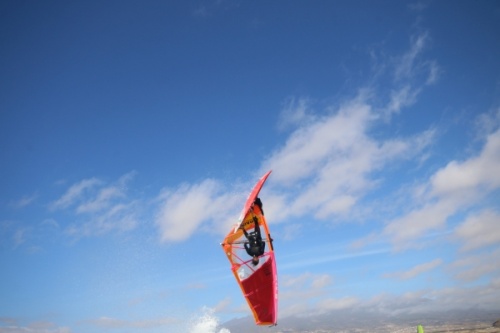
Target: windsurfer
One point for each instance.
(254, 244)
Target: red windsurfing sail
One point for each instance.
(259, 283)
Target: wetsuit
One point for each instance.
(254, 244)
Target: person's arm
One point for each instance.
(257, 227)
(245, 232)
(259, 203)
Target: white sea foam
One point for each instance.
(207, 322)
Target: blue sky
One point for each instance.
(131, 133)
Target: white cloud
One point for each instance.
(435, 300)
(475, 174)
(480, 230)
(317, 290)
(108, 322)
(415, 271)
(74, 193)
(456, 187)
(471, 267)
(481, 297)
(310, 146)
(36, 327)
(329, 162)
(325, 167)
(185, 209)
(331, 304)
(306, 286)
(403, 231)
(321, 281)
(307, 280)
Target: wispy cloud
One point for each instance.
(407, 66)
(28, 237)
(401, 98)
(456, 187)
(417, 6)
(415, 271)
(106, 195)
(118, 217)
(99, 207)
(211, 8)
(295, 111)
(20, 236)
(434, 73)
(74, 193)
(487, 123)
(24, 201)
(101, 201)
(325, 258)
(411, 72)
